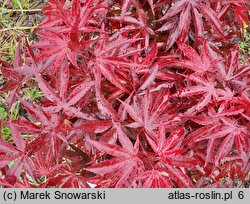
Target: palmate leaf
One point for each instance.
(64, 104)
(182, 180)
(184, 10)
(65, 17)
(103, 105)
(66, 178)
(206, 87)
(138, 26)
(155, 179)
(198, 63)
(49, 133)
(171, 156)
(239, 9)
(16, 74)
(234, 72)
(232, 134)
(162, 145)
(149, 110)
(18, 155)
(112, 53)
(229, 72)
(224, 136)
(125, 162)
(61, 48)
(95, 126)
(127, 4)
(232, 169)
(45, 165)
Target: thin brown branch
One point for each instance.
(17, 28)
(19, 10)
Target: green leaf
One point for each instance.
(20, 5)
(6, 133)
(242, 45)
(14, 112)
(3, 113)
(34, 93)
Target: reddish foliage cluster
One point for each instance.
(136, 94)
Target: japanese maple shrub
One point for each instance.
(133, 94)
